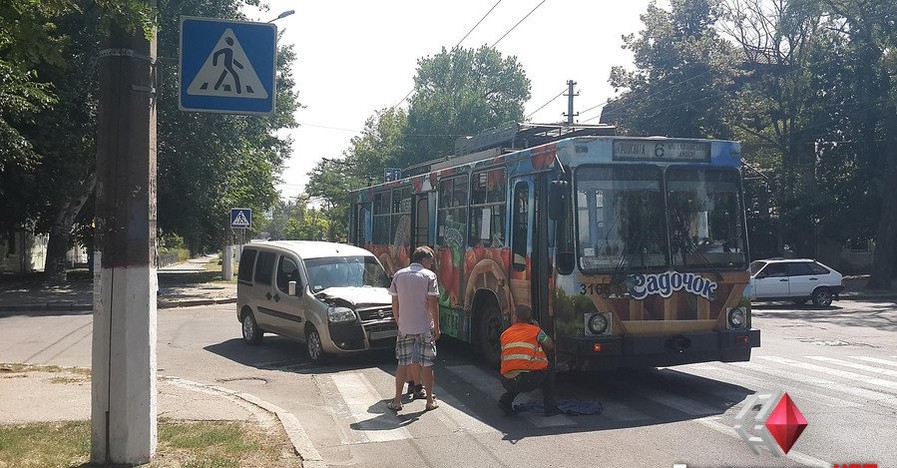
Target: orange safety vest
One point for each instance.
(520, 350)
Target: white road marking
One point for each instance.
(816, 397)
(360, 396)
(834, 372)
(875, 360)
(853, 365)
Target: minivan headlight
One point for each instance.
(340, 314)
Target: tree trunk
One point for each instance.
(56, 266)
(886, 235)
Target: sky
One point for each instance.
(355, 57)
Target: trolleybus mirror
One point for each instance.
(557, 197)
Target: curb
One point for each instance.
(71, 306)
(299, 439)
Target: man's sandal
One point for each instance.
(393, 406)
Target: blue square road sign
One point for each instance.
(240, 218)
(227, 66)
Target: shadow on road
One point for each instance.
(880, 315)
(647, 392)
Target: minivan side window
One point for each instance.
(286, 272)
(264, 268)
(247, 261)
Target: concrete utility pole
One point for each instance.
(570, 94)
(123, 404)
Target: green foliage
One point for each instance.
(298, 220)
(215, 161)
(457, 92)
(461, 92)
(684, 75)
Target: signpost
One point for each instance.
(227, 66)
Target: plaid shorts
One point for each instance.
(416, 349)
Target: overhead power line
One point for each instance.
(456, 46)
(547, 103)
(518, 23)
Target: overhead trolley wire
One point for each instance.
(456, 45)
(547, 103)
(518, 23)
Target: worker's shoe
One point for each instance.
(506, 407)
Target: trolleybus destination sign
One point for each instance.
(661, 150)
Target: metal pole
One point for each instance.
(123, 382)
(570, 84)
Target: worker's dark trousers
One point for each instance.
(529, 381)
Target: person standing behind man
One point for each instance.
(524, 364)
(415, 308)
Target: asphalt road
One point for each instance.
(838, 365)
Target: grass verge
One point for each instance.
(187, 444)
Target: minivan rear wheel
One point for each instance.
(252, 334)
(314, 346)
(822, 297)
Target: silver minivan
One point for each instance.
(333, 297)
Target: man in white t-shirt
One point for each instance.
(415, 307)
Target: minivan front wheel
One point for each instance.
(252, 334)
(822, 297)
(314, 346)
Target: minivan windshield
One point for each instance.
(359, 271)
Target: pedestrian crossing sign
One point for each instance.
(227, 66)
(240, 218)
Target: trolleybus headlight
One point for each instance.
(598, 324)
(737, 317)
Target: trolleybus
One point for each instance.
(632, 252)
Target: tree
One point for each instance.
(683, 78)
(210, 163)
(870, 28)
(461, 92)
(378, 146)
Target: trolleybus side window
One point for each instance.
(487, 209)
(705, 217)
(520, 225)
(620, 218)
(566, 260)
(400, 227)
(381, 217)
(452, 212)
(363, 224)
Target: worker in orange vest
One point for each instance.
(524, 364)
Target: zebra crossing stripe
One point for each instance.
(853, 365)
(679, 403)
(876, 360)
(490, 385)
(834, 372)
(880, 398)
(816, 396)
(358, 393)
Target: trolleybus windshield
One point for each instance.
(620, 218)
(705, 218)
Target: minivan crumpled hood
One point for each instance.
(357, 297)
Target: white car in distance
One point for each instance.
(795, 279)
